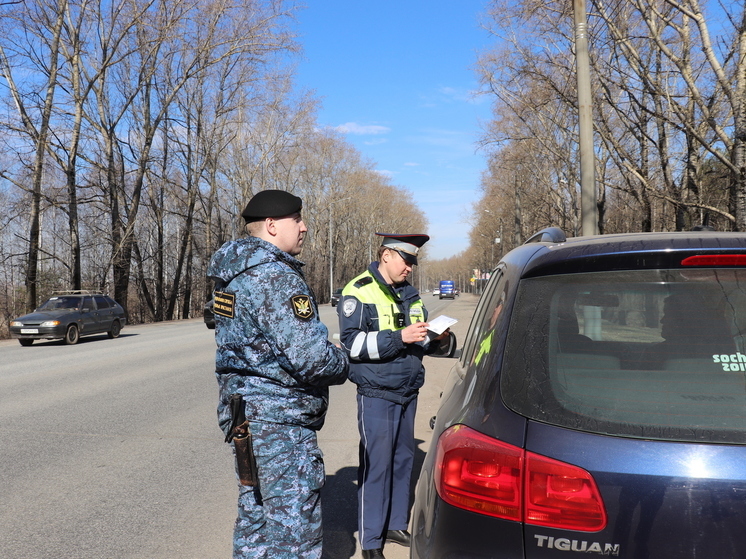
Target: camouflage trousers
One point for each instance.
(281, 517)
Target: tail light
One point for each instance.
(483, 475)
(715, 260)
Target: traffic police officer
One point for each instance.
(383, 327)
(274, 351)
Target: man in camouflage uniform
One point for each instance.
(274, 350)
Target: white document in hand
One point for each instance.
(441, 324)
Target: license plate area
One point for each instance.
(29, 330)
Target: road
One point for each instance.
(110, 448)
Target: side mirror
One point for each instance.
(447, 347)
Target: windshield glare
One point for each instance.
(56, 303)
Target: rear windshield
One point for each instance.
(657, 354)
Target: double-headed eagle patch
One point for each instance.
(302, 306)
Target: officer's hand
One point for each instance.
(442, 336)
(414, 333)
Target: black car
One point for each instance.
(597, 407)
(336, 296)
(69, 315)
(209, 315)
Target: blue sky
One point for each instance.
(396, 76)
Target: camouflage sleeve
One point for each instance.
(358, 334)
(287, 314)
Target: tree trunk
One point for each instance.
(739, 145)
(41, 138)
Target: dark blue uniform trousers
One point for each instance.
(386, 458)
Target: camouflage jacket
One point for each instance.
(272, 347)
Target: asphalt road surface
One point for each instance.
(110, 448)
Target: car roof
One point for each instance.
(627, 251)
(77, 294)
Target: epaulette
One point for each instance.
(363, 281)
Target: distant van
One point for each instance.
(447, 289)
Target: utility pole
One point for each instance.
(588, 204)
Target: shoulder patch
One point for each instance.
(302, 306)
(349, 306)
(363, 281)
(224, 304)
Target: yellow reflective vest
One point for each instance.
(371, 317)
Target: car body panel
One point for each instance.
(664, 496)
(632, 251)
(336, 297)
(105, 313)
(89, 322)
(478, 536)
(208, 315)
(665, 500)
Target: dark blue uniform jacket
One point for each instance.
(382, 366)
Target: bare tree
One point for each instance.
(163, 118)
(667, 104)
(45, 32)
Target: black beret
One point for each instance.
(271, 203)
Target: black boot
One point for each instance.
(402, 537)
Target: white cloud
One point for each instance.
(361, 129)
(376, 142)
(454, 95)
(462, 95)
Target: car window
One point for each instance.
(88, 304)
(481, 330)
(101, 302)
(61, 302)
(657, 354)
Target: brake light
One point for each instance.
(561, 495)
(715, 260)
(481, 474)
(478, 473)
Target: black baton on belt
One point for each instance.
(240, 434)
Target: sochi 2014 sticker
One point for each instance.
(349, 306)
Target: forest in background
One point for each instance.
(134, 132)
(669, 86)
